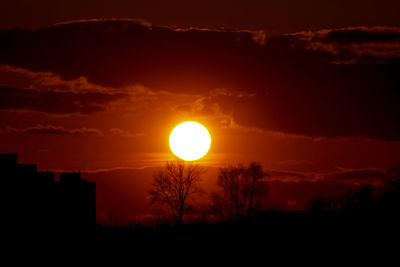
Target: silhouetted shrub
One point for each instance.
(241, 191)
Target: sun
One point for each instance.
(190, 140)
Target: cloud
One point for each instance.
(117, 53)
(124, 133)
(357, 44)
(55, 102)
(130, 99)
(329, 83)
(60, 130)
(373, 176)
(285, 176)
(358, 176)
(48, 81)
(52, 130)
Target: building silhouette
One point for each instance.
(37, 199)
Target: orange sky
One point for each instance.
(106, 94)
(311, 99)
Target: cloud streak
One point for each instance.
(61, 130)
(356, 44)
(55, 102)
(373, 176)
(52, 130)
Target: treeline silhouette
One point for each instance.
(238, 211)
(236, 214)
(381, 201)
(242, 196)
(241, 190)
(238, 208)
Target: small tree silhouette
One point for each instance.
(389, 201)
(175, 185)
(242, 189)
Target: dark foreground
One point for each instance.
(276, 230)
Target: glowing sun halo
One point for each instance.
(190, 140)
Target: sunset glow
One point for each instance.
(130, 119)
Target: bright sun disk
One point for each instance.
(190, 140)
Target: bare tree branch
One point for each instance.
(242, 189)
(174, 185)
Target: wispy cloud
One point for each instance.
(52, 130)
(55, 102)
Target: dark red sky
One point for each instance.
(307, 88)
(274, 16)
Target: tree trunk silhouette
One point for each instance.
(174, 185)
(241, 190)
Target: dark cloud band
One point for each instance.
(53, 101)
(333, 83)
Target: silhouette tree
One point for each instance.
(319, 204)
(242, 189)
(389, 201)
(175, 185)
